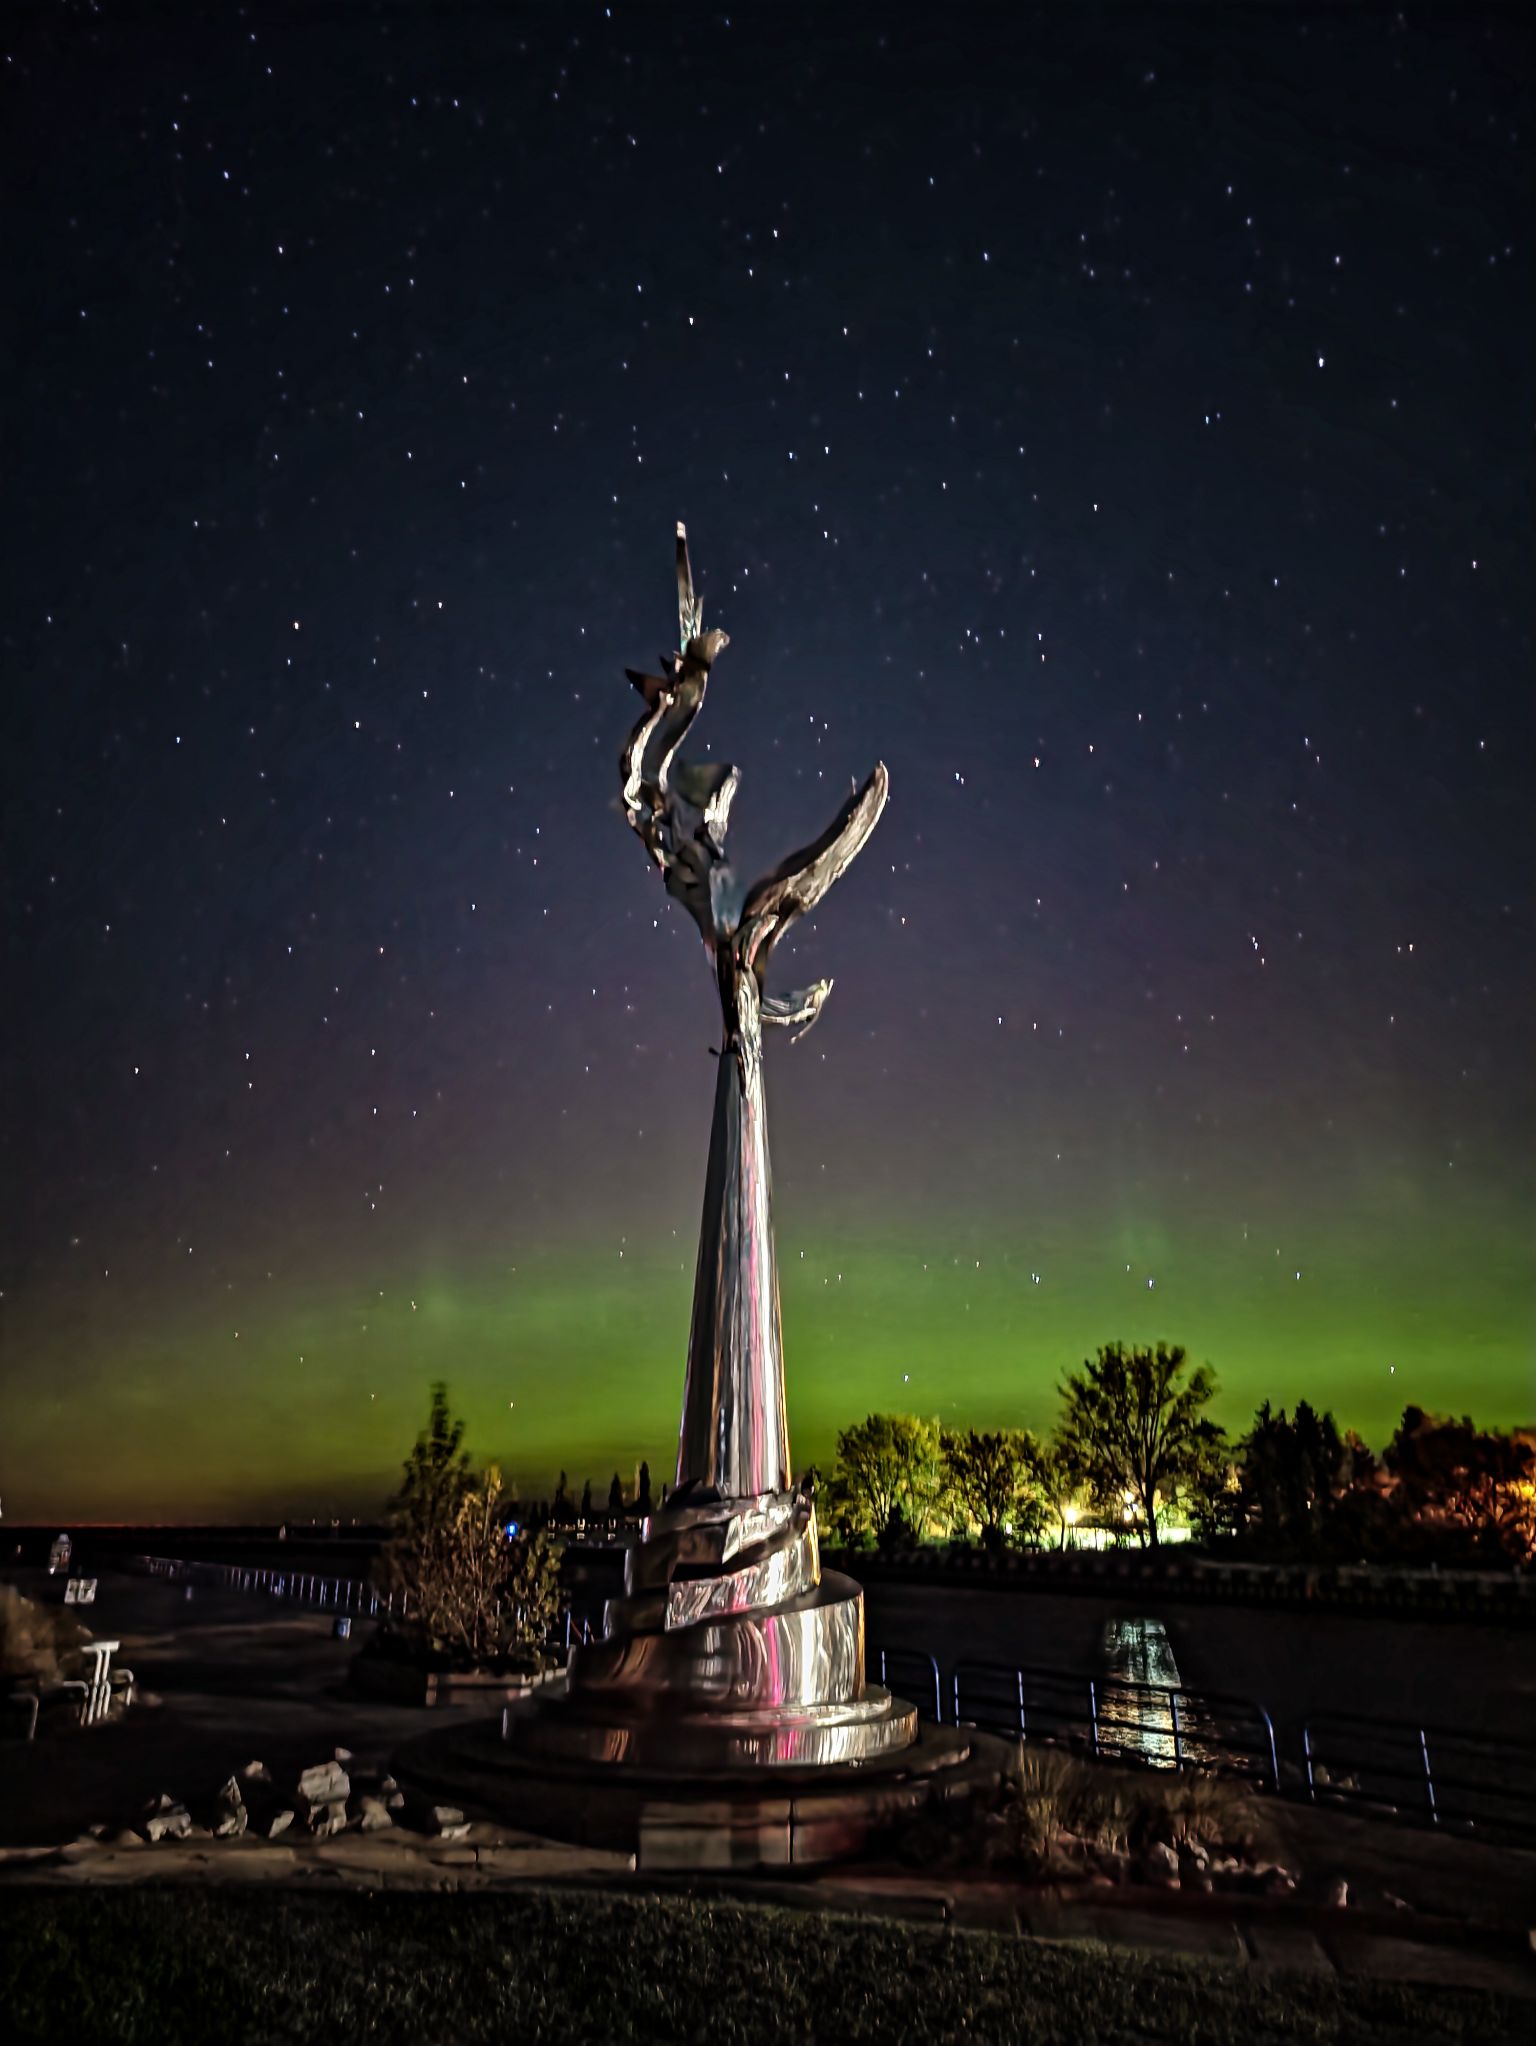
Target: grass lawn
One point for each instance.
(167, 1965)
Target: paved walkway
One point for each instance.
(238, 1678)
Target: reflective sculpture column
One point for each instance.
(729, 1646)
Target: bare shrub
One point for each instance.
(38, 1644)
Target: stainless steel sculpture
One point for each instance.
(729, 1646)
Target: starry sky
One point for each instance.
(1116, 420)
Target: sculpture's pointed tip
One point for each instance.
(682, 530)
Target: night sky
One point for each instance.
(1118, 422)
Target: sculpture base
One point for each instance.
(752, 1821)
(706, 1743)
(777, 1687)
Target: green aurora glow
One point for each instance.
(575, 1362)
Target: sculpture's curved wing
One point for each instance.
(798, 1011)
(799, 882)
(690, 609)
(710, 786)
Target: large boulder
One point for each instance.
(324, 1784)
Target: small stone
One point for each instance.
(279, 1822)
(1336, 1894)
(230, 1817)
(388, 1785)
(342, 1754)
(125, 1837)
(373, 1815)
(169, 1822)
(256, 1772)
(396, 1800)
(326, 1819)
(1160, 1865)
(1278, 1882)
(1395, 1902)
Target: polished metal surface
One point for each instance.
(821, 1737)
(735, 1435)
(728, 1647)
(768, 1578)
(808, 1651)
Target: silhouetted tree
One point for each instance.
(1290, 1475)
(616, 1499)
(586, 1500)
(1132, 1422)
(643, 1490)
(560, 1505)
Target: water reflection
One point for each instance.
(1136, 1716)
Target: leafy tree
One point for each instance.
(471, 1593)
(1479, 1483)
(994, 1481)
(533, 1588)
(434, 1481)
(1063, 1488)
(616, 1499)
(890, 1481)
(1210, 1484)
(1132, 1421)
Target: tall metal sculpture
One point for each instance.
(729, 1647)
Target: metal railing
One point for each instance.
(1386, 1768)
(298, 1587)
(1108, 1717)
(1118, 1719)
(1436, 1775)
(913, 1674)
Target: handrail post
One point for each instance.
(1019, 1678)
(1093, 1712)
(954, 1693)
(1429, 1778)
(1306, 1755)
(1178, 1746)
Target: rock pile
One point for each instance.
(328, 1798)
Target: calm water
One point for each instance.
(1136, 1652)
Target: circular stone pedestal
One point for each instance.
(676, 1820)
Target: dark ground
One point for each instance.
(227, 1679)
(170, 1966)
